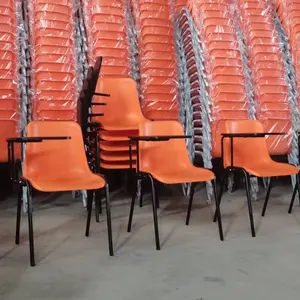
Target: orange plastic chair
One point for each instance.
(244, 148)
(55, 161)
(122, 110)
(162, 156)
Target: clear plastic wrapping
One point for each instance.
(53, 60)
(223, 67)
(107, 35)
(267, 62)
(10, 79)
(157, 58)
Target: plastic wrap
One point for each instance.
(53, 60)
(288, 12)
(222, 61)
(290, 77)
(157, 58)
(107, 35)
(198, 102)
(266, 60)
(10, 81)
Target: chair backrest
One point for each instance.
(123, 104)
(246, 151)
(52, 159)
(162, 155)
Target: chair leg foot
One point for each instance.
(108, 218)
(154, 208)
(187, 221)
(89, 212)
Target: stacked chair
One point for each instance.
(289, 12)
(106, 27)
(223, 65)
(121, 116)
(192, 50)
(107, 35)
(157, 59)
(9, 100)
(268, 72)
(53, 60)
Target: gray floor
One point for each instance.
(193, 263)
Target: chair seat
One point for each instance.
(182, 175)
(271, 169)
(77, 182)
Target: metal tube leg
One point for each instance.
(187, 221)
(98, 208)
(19, 207)
(140, 184)
(154, 208)
(89, 212)
(267, 197)
(223, 182)
(108, 220)
(132, 205)
(156, 196)
(296, 188)
(218, 212)
(249, 203)
(30, 228)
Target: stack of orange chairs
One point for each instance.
(107, 35)
(289, 14)
(223, 65)
(53, 60)
(9, 100)
(157, 59)
(268, 73)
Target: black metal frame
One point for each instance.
(155, 203)
(246, 175)
(22, 182)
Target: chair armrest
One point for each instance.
(231, 136)
(150, 138)
(251, 135)
(23, 140)
(158, 138)
(38, 139)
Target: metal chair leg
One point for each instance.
(89, 212)
(267, 197)
(296, 188)
(30, 228)
(223, 183)
(187, 221)
(98, 205)
(19, 207)
(154, 208)
(156, 195)
(140, 184)
(132, 205)
(247, 180)
(108, 219)
(218, 212)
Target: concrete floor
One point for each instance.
(193, 263)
